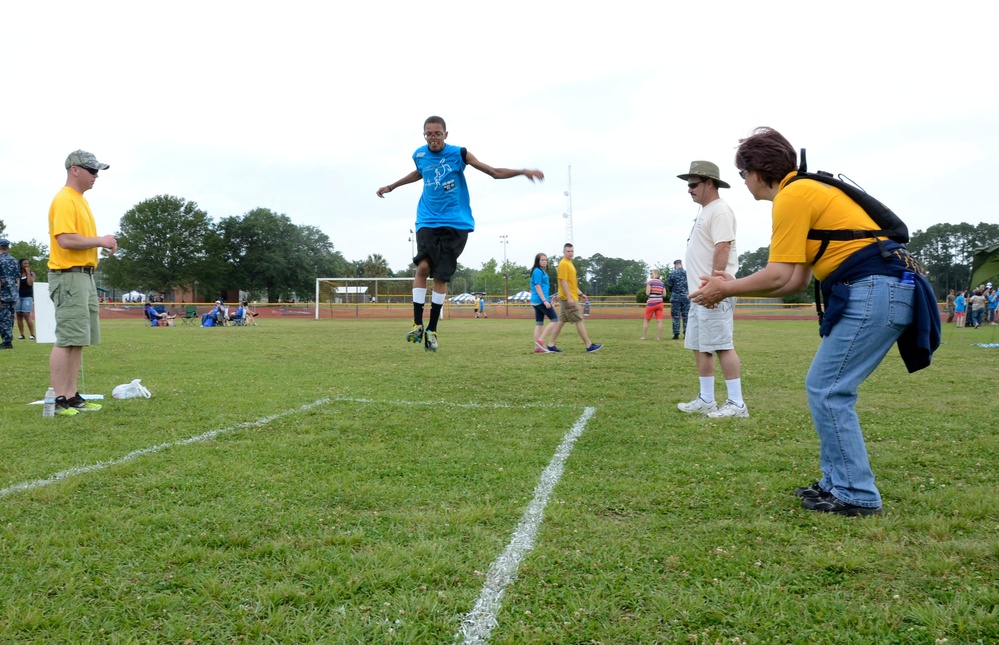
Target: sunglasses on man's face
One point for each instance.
(90, 170)
(693, 184)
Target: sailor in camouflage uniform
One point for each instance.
(679, 303)
(10, 274)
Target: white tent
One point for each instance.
(463, 299)
(520, 296)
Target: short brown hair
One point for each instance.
(766, 152)
(435, 119)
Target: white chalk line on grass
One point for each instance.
(452, 404)
(135, 454)
(479, 623)
(101, 465)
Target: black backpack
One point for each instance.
(891, 225)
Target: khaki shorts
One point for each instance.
(710, 330)
(77, 312)
(570, 314)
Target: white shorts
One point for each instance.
(711, 329)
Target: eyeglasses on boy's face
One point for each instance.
(742, 174)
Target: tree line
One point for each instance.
(167, 243)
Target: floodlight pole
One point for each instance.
(504, 240)
(568, 214)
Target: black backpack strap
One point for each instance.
(826, 236)
(818, 301)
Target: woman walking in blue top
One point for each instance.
(959, 304)
(540, 288)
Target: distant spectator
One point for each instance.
(977, 308)
(993, 300)
(654, 290)
(157, 318)
(959, 305)
(950, 306)
(24, 311)
(216, 317)
(243, 312)
(9, 270)
(540, 288)
(570, 297)
(679, 303)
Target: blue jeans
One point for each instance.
(879, 309)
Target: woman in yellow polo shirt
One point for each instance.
(876, 296)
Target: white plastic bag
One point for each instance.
(131, 390)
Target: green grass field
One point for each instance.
(326, 482)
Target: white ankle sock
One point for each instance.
(735, 391)
(707, 388)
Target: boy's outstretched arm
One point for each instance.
(408, 179)
(502, 173)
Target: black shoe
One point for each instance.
(676, 336)
(809, 491)
(826, 503)
(7, 346)
(21, 337)
(80, 404)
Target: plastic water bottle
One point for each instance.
(48, 404)
(908, 277)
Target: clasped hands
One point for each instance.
(712, 289)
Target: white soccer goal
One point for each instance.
(341, 291)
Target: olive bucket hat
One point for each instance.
(704, 169)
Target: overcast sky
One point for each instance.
(307, 108)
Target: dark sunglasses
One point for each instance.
(694, 184)
(90, 170)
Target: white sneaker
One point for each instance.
(730, 409)
(698, 405)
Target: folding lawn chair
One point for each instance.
(191, 315)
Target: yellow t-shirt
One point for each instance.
(70, 213)
(567, 271)
(807, 204)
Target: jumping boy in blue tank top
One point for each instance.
(443, 219)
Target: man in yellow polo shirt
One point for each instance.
(571, 296)
(72, 261)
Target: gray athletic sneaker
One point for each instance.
(730, 409)
(698, 405)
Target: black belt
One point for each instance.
(87, 270)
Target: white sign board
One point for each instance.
(44, 314)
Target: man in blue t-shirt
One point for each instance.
(443, 219)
